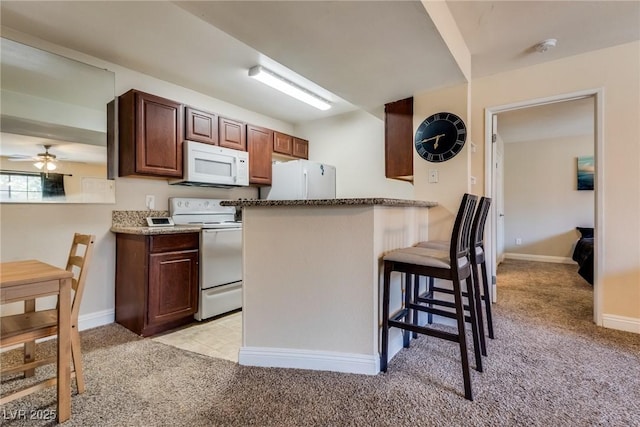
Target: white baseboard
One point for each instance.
(309, 359)
(93, 320)
(621, 323)
(539, 258)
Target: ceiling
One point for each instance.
(358, 54)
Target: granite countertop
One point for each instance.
(135, 222)
(374, 201)
(149, 231)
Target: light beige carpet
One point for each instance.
(548, 366)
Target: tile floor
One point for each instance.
(220, 338)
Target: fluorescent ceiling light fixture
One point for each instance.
(283, 85)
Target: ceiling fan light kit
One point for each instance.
(285, 86)
(46, 160)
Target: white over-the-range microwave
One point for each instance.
(212, 166)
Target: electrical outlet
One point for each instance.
(150, 202)
(518, 241)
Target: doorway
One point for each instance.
(493, 180)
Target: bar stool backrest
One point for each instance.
(479, 221)
(460, 236)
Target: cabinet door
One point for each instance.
(259, 145)
(282, 143)
(158, 136)
(201, 126)
(300, 148)
(398, 139)
(173, 286)
(232, 134)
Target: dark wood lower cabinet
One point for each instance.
(156, 281)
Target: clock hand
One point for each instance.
(435, 145)
(437, 137)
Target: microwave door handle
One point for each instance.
(235, 169)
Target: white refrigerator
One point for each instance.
(302, 180)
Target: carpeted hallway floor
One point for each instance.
(548, 366)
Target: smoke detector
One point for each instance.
(545, 45)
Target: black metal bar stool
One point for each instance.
(453, 265)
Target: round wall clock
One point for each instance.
(440, 137)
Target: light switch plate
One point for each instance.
(150, 202)
(433, 175)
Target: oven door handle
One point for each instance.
(216, 230)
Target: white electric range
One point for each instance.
(220, 252)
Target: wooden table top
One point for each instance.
(17, 273)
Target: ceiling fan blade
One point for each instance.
(20, 158)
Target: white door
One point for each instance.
(499, 196)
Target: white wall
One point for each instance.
(354, 143)
(44, 231)
(542, 203)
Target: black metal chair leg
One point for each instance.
(487, 298)
(430, 281)
(416, 294)
(462, 341)
(474, 324)
(477, 300)
(384, 353)
(406, 334)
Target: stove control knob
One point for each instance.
(206, 204)
(186, 204)
(179, 204)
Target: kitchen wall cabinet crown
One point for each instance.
(150, 134)
(156, 281)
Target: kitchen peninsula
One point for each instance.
(311, 268)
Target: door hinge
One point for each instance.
(494, 138)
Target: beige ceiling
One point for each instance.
(363, 53)
(501, 35)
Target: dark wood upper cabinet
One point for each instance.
(260, 147)
(282, 143)
(398, 136)
(300, 148)
(150, 135)
(232, 134)
(201, 126)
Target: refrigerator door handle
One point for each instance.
(306, 184)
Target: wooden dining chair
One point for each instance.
(25, 328)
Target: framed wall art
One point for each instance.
(586, 168)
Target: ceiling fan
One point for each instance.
(46, 160)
